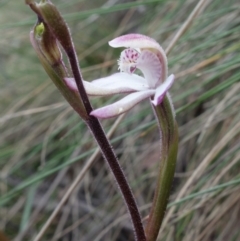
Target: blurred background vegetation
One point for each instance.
(44, 144)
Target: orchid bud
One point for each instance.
(48, 51)
(52, 18)
(49, 43)
(54, 30)
(49, 48)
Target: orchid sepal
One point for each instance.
(114, 84)
(133, 99)
(122, 105)
(161, 91)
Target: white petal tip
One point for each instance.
(104, 113)
(162, 90)
(158, 101)
(70, 82)
(123, 105)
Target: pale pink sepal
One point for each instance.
(162, 90)
(70, 82)
(134, 41)
(90, 88)
(122, 105)
(122, 80)
(114, 84)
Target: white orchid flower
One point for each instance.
(142, 53)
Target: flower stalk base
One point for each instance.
(169, 147)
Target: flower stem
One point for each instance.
(78, 78)
(113, 163)
(107, 151)
(169, 147)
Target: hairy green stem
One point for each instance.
(169, 147)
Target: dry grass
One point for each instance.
(44, 145)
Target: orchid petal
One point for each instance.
(114, 84)
(162, 90)
(132, 81)
(95, 90)
(70, 82)
(122, 105)
(149, 64)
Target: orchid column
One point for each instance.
(145, 54)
